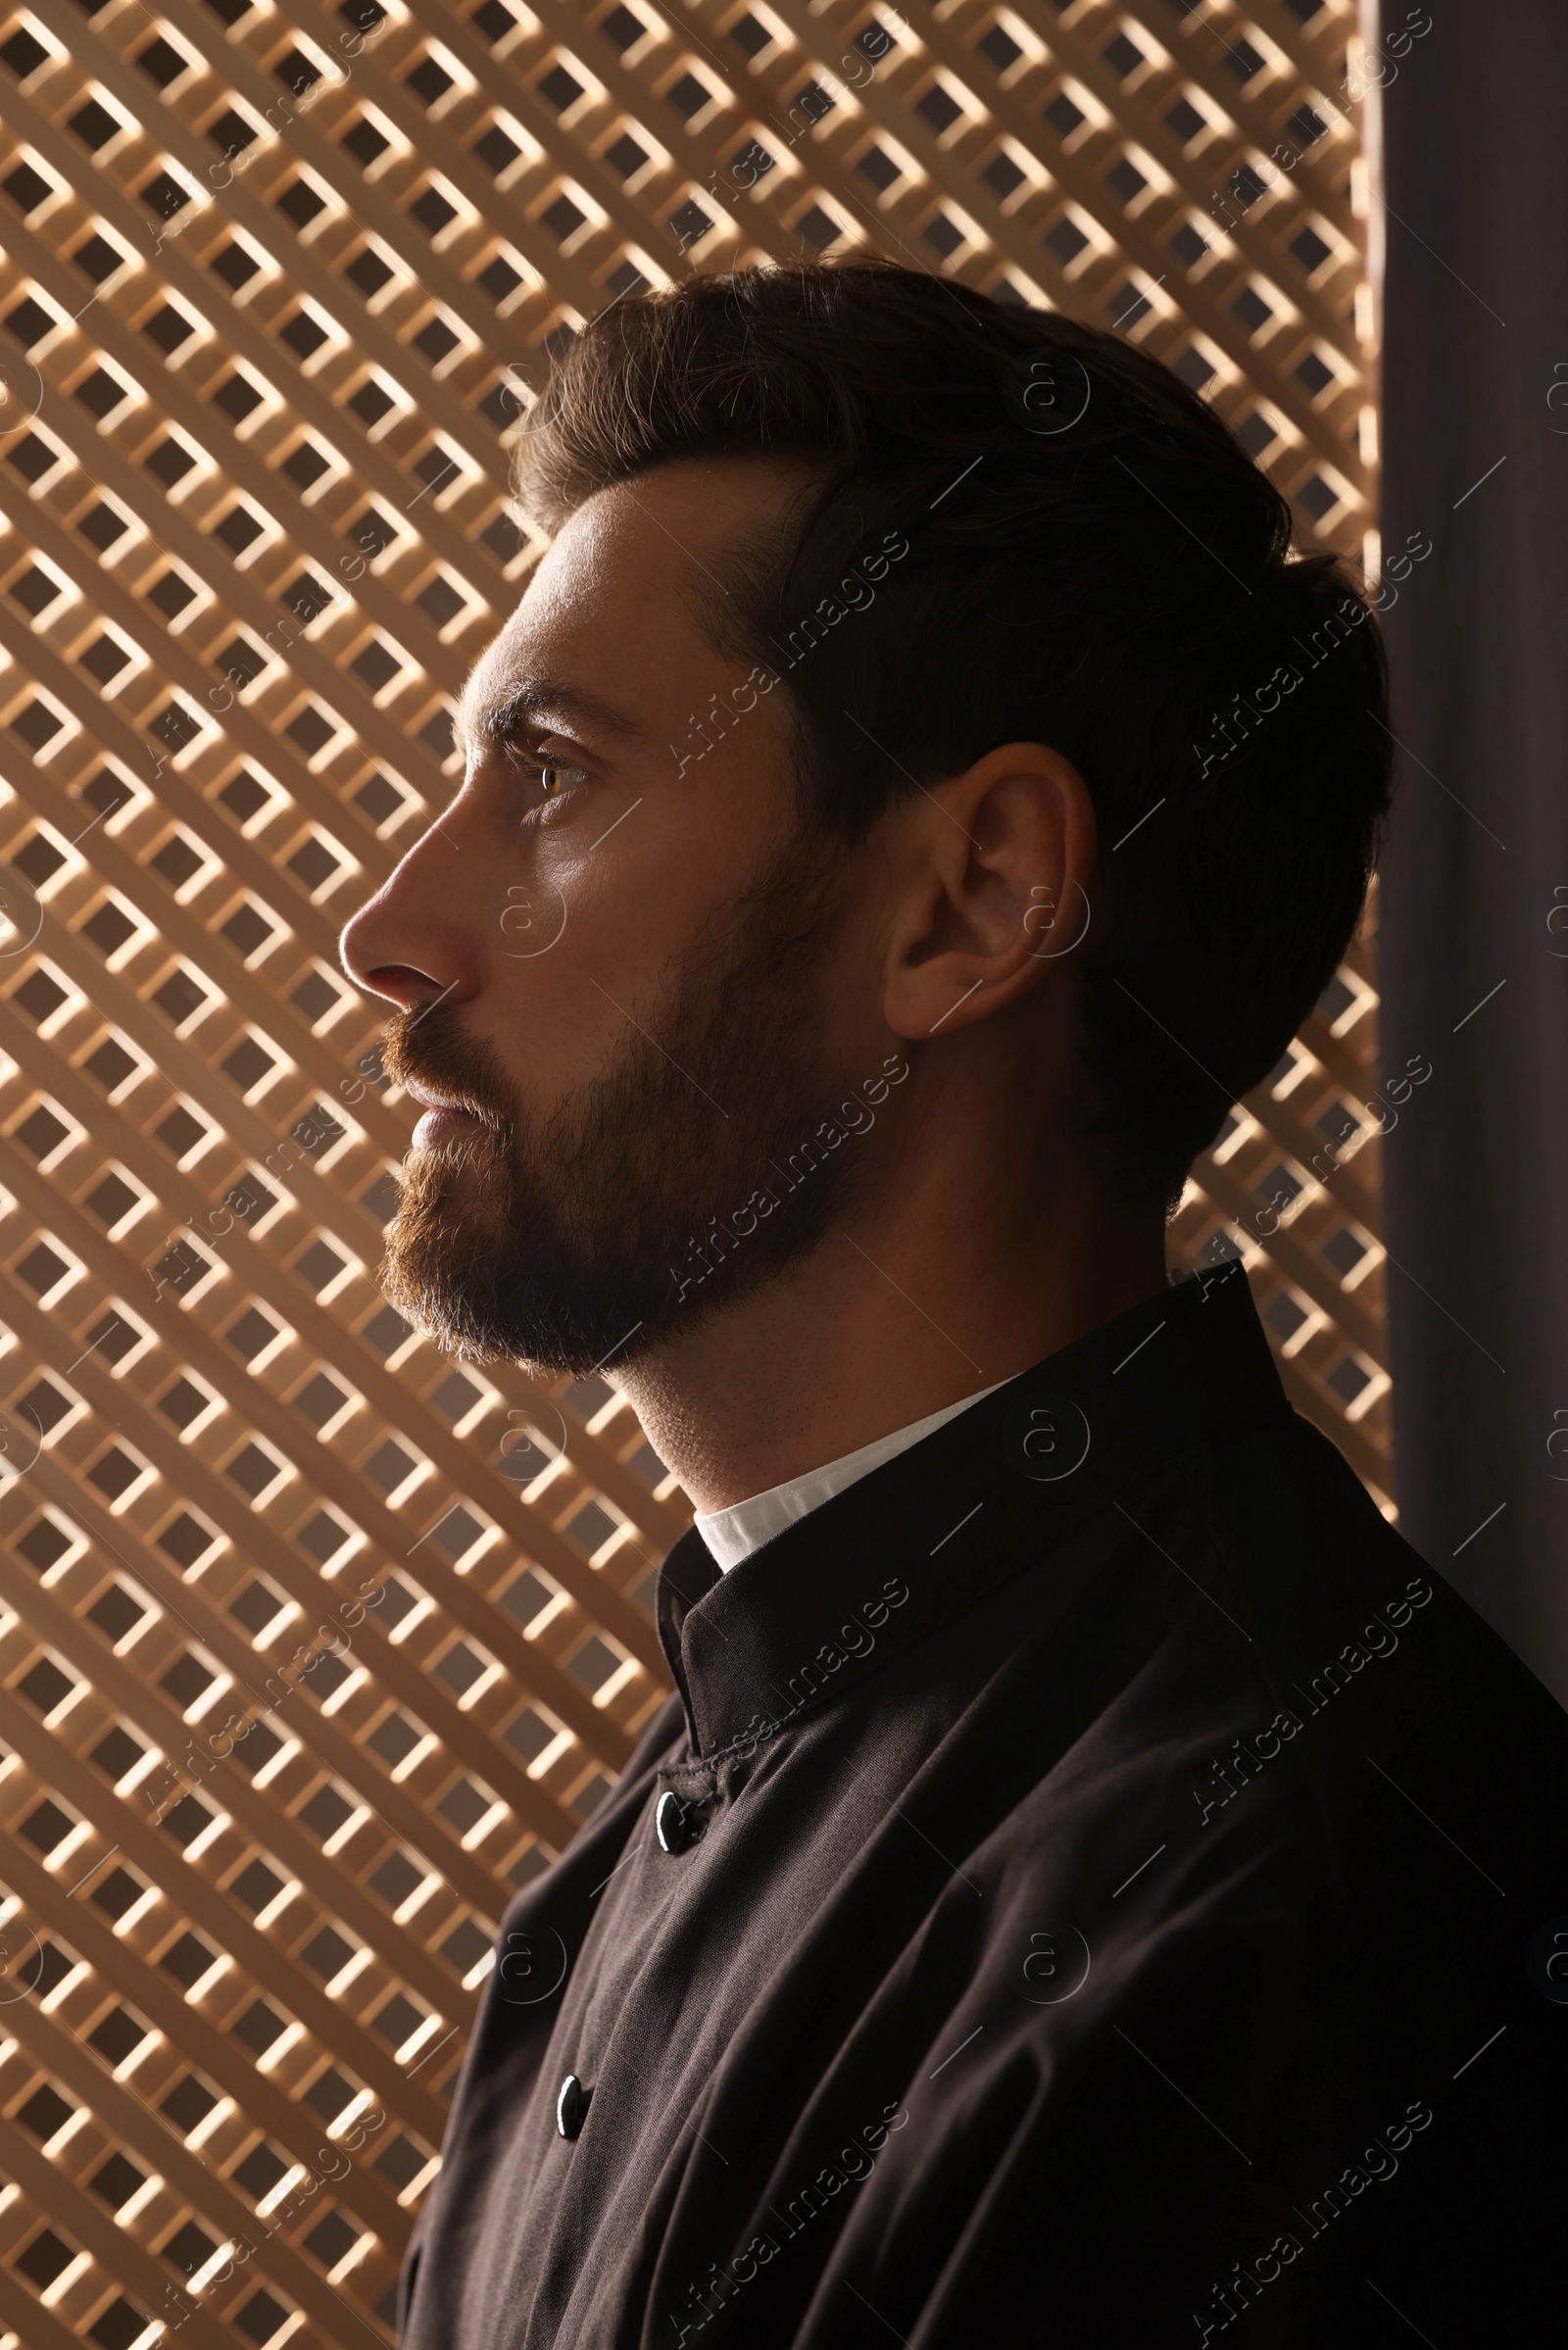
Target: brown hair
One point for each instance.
(1092, 562)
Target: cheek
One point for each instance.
(577, 946)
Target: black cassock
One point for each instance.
(1095, 1886)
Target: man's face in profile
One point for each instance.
(630, 986)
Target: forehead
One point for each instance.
(624, 580)
(578, 654)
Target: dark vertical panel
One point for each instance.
(1475, 888)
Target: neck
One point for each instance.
(913, 1301)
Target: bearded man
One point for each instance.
(1092, 1880)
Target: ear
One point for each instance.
(993, 873)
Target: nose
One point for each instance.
(410, 943)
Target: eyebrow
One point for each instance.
(530, 701)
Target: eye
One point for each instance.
(544, 776)
(556, 775)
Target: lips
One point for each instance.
(426, 1095)
(444, 1119)
(444, 1126)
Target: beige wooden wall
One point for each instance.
(311, 1646)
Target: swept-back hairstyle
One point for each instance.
(1094, 562)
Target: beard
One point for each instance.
(597, 1229)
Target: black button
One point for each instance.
(572, 2106)
(678, 1825)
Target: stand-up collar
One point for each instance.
(968, 1506)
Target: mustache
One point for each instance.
(428, 1047)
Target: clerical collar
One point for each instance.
(1087, 1436)
(733, 1534)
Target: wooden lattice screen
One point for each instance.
(277, 280)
